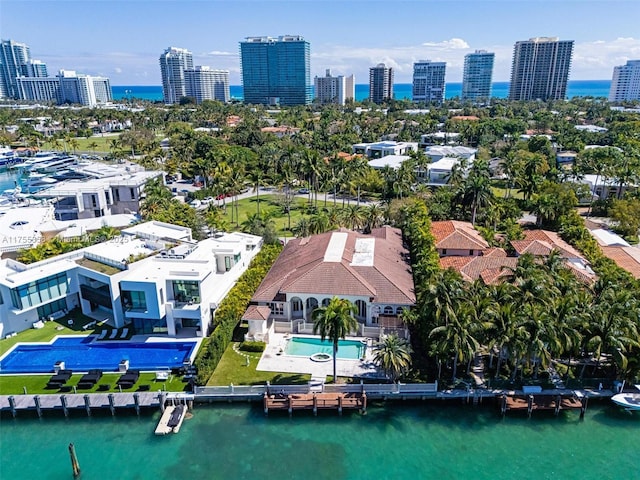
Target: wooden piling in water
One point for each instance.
(36, 400)
(87, 404)
(503, 406)
(74, 461)
(529, 405)
(136, 402)
(12, 405)
(63, 402)
(112, 406)
(584, 400)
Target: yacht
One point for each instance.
(56, 164)
(629, 401)
(37, 161)
(8, 157)
(38, 181)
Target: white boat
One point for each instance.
(629, 401)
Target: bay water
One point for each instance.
(410, 440)
(575, 88)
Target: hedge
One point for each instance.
(230, 311)
(257, 347)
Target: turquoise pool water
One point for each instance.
(431, 440)
(84, 353)
(306, 346)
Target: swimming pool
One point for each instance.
(307, 346)
(84, 353)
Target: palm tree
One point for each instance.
(335, 321)
(393, 355)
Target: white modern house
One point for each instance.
(153, 278)
(382, 149)
(438, 152)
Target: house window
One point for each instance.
(186, 291)
(388, 310)
(133, 193)
(277, 308)
(227, 263)
(116, 194)
(108, 197)
(471, 253)
(134, 301)
(94, 201)
(444, 251)
(50, 308)
(41, 291)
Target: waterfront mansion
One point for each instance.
(372, 271)
(154, 278)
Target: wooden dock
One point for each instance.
(530, 403)
(316, 401)
(87, 402)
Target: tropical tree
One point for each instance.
(393, 355)
(333, 322)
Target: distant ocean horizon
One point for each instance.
(401, 91)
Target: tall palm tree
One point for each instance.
(335, 321)
(393, 355)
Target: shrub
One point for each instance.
(230, 311)
(257, 347)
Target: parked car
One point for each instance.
(303, 191)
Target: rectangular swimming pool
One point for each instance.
(307, 346)
(84, 353)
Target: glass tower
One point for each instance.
(477, 76)
(540, 69)
(276, 71)
(173, 63)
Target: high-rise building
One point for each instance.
(338, 89)
(15, 62)
(625, 84)
(540, 69)
(380, 83)
(477, 75)
(66, 87)
(34, 68)
(428, 81)
(276, 71)
(204, 83)
(173, 63)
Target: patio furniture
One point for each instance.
(124, 333)
(164, 375)
(129, 379)
(59, 379)
(90, 379)
(104, 387)
(114, 334)
(144, 388)
(103, 334)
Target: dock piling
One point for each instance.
(503, 405)
(87, 404)
(74, 461)
(63, 402)
(163, 399)
(12, 406)
(583, 408)
(529, 405)
(36, 400)
(112, 405)
(558, 402)
(136, 402)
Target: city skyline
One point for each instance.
(121, 40)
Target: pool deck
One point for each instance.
(275, 360)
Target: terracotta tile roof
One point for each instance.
(255, 312)
(627, 258)
(542, 242)
(301, 268)
(452, 234)
(489, 268)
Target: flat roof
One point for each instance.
(20, 227)
(154, 229)
(394, 161)
(74, 187)
(120, 248)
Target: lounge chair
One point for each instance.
(114, 334)
(129, 379)
(124, 333)
(59, 379)
(103, 334)
(90, 379)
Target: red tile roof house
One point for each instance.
(541, 243)
(462, 248)
(372, 271)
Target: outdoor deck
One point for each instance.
(315, 402)
(531, 403)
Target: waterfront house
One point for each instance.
(153, 278)
(372, 271)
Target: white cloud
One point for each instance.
(453, 44)
(217, 53)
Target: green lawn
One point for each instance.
(233, 369)
(268, 203)
(83, 144)
(50, 330)
(501, 192)
(35, 384)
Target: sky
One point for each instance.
(123, 40)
